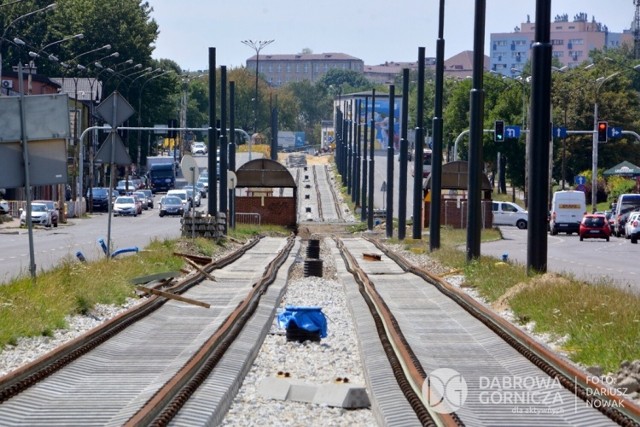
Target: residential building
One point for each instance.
(571, 40)
(458, 66)
(279, 70)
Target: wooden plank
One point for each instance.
(203, 260)
(371, 257)
(173, 296)
(153, 277)
(197, 267)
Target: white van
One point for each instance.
(567, 210)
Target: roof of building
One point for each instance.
(307, 57)
(86, 88)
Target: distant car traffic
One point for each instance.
(40, 215)
(143, 199)
(170, 205)
(198, 148)
(125, 205)
(149, 195)
(632, 227)
(53, 208)
(507, 213)
(594, 226)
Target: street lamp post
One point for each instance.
(594, 167)
(50, 56)
(77, 187)
(140, 109)
(4, 33)
(257, 45)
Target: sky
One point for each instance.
(374, 31)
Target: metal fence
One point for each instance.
(248, 218)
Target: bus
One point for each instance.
(427, 155)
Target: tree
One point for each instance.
(347, 80)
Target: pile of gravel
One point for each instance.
(336, 356)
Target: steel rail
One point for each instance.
(409, 373)
(624, 412)
(162, 407)
(22, 378)
(335, 195)
(318, 198)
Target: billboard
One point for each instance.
(381, 111)
(47, 128)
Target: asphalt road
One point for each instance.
(53, 245)
(592, 260)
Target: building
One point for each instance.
(459, 66)
(572, 41)
(279, 70)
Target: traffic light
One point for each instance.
(498, 131)
(602, 131)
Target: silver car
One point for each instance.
(40, 215)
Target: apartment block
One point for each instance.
(571, 40)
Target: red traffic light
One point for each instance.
(602, 131)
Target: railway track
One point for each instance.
(457, 363)
(141, 367)
(169, 362)
(319, 201)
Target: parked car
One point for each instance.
(143, 199)
(4, 207)
(170, 205)
(40, 215)
(53, 208)
(99, 197)
(632, 227)
(594, 226)
(125, 205)
(507, 213)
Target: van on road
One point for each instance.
(567, 209)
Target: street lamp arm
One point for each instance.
(44, 9)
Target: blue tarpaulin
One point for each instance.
(306, 318)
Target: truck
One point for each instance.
(161, 173)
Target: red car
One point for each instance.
(594, 226)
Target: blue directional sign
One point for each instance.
(559, 132)
(614, 132)
(580, 180)
(512, 132)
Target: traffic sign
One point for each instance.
(512, 131)
(120, 153)
(115, 103)
(190, 169)
(580, 180)
(559, 132)
(615, 132)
